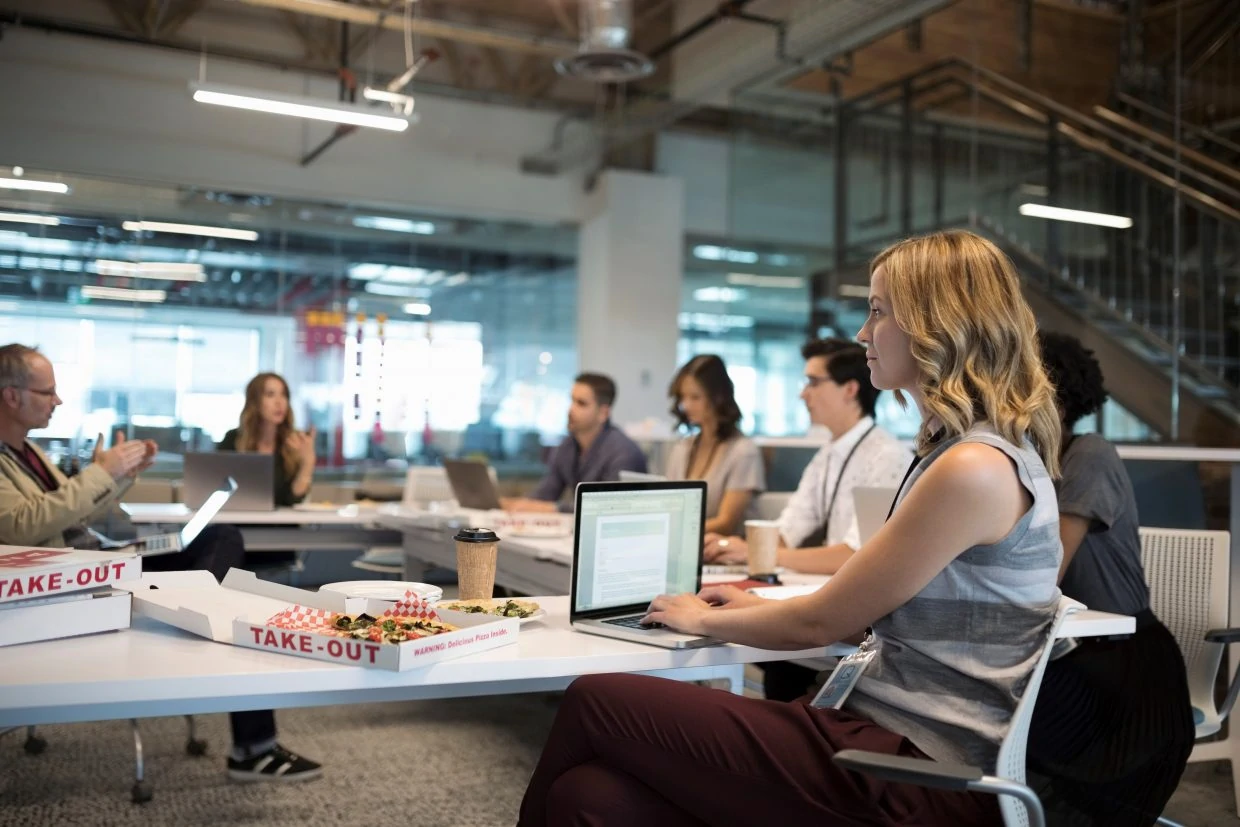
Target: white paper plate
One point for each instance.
(538, 615)
(392, 590)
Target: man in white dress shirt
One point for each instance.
(818, 528)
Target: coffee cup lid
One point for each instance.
(476, 535)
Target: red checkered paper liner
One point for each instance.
(305, 619)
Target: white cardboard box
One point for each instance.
(41, 572)
(102, 611)
(237, 612)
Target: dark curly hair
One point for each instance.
(1076, 375)
(712, 374)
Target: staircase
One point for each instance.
(1159, 301)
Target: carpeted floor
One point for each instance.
(428, 763)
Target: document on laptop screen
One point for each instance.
(636, 545)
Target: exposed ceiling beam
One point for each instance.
(460, 32)
(125, 16)
(180, 17)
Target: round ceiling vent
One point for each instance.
(605, 65)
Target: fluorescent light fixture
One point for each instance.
(719, 294)
(296, 105)
(391, 273)
(710, 252)
(12, 234)
(854, 291)
(418, 309)
(123, 294)
(394, 225)
(755, 280)
(456, 280)
(190, 229)
(36, 186)
(167, 270)
(29, 218)
(1101, 219)
(396, 291)
(1036, 190)
(396, 99)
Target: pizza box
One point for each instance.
(239, 610)
(196, 602)
(81, 613)
(27, 573)
(294, 632)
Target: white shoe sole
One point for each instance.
(245, 777)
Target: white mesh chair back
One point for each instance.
(426, 484)
(1189, 574)
(1011, 761)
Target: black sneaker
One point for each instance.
(277, 764)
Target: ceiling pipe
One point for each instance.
(460, 32)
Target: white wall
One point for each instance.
(90, 107)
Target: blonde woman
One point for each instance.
(958, 588)
(267, 428)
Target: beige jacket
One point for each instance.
(30, 516)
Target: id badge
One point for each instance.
(842, 680)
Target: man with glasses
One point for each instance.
(39, 506)
(818, 528)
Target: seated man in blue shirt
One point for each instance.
(594, 451)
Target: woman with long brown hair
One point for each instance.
(267, 427)
(957, 588)
(704, 399)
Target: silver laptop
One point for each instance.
(634, 542)
(472, 484)
(179, 540)
(254, 474)
(640, 476)
(873, 505)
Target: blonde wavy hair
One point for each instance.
(251, 422)
(974, 340)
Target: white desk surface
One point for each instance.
(179, 514)
(153, 669)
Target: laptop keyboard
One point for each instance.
(161, 543)
(634, 622)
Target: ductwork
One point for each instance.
(604, 55)
(460, 32)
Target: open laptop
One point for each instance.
(472, 484)
(873, 505)
(176, 541)
(634, 542)
(254, 473)
(640, 476)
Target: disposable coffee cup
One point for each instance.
(762, 536)
(476, 550)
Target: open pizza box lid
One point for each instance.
(196, 602)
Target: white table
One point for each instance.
(526, 565)
(348, 527)
(155, 670)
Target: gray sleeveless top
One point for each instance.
(953, 662)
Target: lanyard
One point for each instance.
(826, 476)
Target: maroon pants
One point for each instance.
(632, 750)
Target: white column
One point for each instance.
(629, 277)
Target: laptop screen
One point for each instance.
(636, 543)
(204, 515)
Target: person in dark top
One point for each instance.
(1113, 727)
(267, 428)
(594, 450)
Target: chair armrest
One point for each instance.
(920, 771)
(1223, 635)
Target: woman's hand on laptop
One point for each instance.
(681, 612)
(728, 597)
(719, 549)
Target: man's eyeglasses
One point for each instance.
(812, 382)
